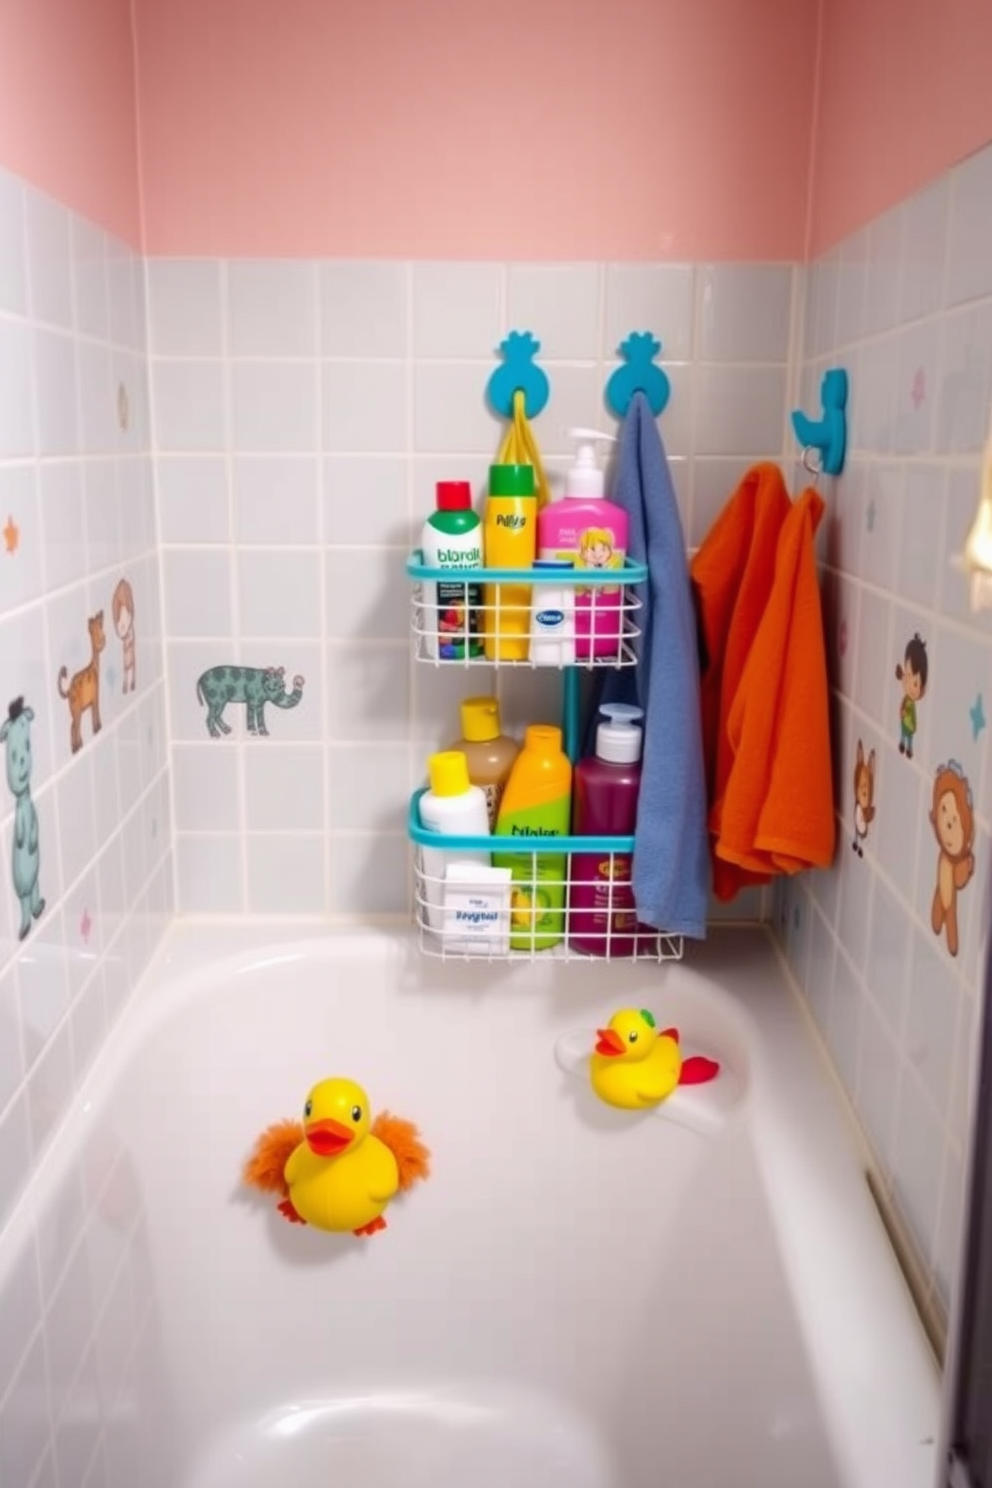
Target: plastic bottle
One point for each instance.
(536, 803)
(602, 915)
(511, 542)
(592, 532)
(452, 538)
(552, 617)
(456, 807)
(489, 752)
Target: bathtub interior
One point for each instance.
(576, 1296)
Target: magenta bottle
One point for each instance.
(602, 918)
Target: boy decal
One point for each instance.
(913, 676)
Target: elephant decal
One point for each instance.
(253, 686)
(26, 859)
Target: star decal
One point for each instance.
(11, 535)
(870, 515)
(919, 389)
(85, 926)
(977, 713)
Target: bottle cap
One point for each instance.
(543, 738)
(448, 773)
(480, 719)
(585, 480)
(619, 741)
(453, 495)
(511, 480)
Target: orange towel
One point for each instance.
(764, 693)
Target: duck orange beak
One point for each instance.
(327, 1138)
(608, 1042)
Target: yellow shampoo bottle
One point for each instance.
(536, 803)
(510, 542)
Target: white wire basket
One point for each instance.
(498, 617)
(494, 899)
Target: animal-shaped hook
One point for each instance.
(518, 373)
(827, 434)
(638, 375)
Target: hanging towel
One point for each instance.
(519, 447)
(771, 808)
(671, 868)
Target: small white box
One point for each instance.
(476, 910)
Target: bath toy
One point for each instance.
(635, 1066)
(337, 1169)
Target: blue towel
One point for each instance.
(671, 859)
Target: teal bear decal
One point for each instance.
(16, 734)
(253, 686)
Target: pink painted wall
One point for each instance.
(67, 105)
(905, 92)
(462, 128)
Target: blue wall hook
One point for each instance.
(638, 375)
(829, 433)
(518, 372)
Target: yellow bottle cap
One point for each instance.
(480, 719)
(448, 773)
(543, 738)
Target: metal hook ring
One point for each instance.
(814, 466)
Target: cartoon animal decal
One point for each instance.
(913, 676)
(864, 794)
(122, 608)
(952, 817)
(253, 686)
(84, 690)
(26, 858)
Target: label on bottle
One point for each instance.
(458, 621)
(493, 795)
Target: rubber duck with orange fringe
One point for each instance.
(338, 1169)
(635, 1065)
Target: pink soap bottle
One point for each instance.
(602, 915)
(591, 531)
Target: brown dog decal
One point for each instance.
(864, 793)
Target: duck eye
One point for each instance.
(632, 1038)
(308, 1108)
(356, 1113)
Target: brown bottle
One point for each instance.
(489, 752)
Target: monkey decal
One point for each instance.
(952, 817)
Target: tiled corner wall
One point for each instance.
(301, 414)
(906, 306)
(76, 519)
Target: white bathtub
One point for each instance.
(577, 1298)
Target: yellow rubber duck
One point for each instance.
(634, 1066)
(338, 1170)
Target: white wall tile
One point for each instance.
(924, 251)
(368, 691)
(883, 516)
(185, 307)
(24, 1419)
(89, 278)
(964, 388)
(22, 645)
(97, 399)
(56, 394)
(286, 874)
(559, 303)
(77, 818)
(20, 566)
(284, 788)
(13, 268)
(205, 788)
(576, 401)
(192, 498)
(885, 246)
(369, 874)
(48, 255)
(279, 593)
(739, 411)
(367, 598)
(365, 500)
(363, 309)
(913, 401)
(916, 1163)
(364, 407)
(189, 406)
(49, 1089)
(456, 310)
(845, 1033)
(272, 308)
(874, 664)
(959, 672)
(821, 311)
(126, 292)
(275, 499)
(969, 251)
(651, 297)
(274, 406)
(932, 1020)
(102, 516)
(851, 274)
(208, 874)
(15, 1154)
(17, 436)
(900, 811)
(878, 1082)
(12, 1057)
(922, 523)
(888, 950)
(368, 789)
(451, 415)
(197, 592)
(745, 312)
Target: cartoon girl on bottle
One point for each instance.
(596, 550)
